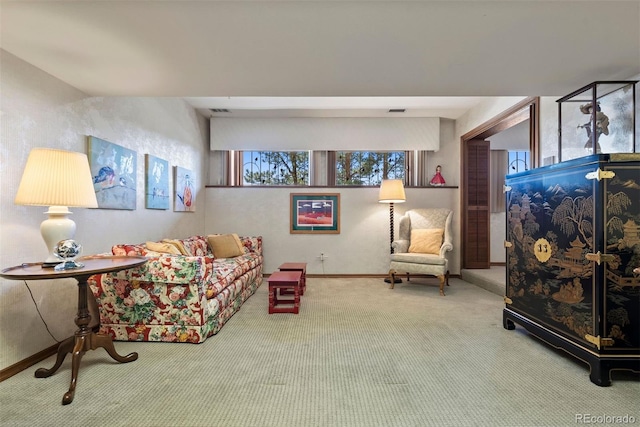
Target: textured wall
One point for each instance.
(325, 133)
(38, 110)
(362, 247)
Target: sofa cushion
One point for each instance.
(225, 245)
(195, 246)
(178, 245)
(129, 250)
(163, 247)
(426, 240)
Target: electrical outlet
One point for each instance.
(322, 257)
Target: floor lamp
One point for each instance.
(58, 179)
(391, 191)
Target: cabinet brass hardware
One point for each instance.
(542, 250)
(506, 188)
(599, 257)
(507, 244)
(599, 342)
(600, 174)
(624, 157)
(507, 300)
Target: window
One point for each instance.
(518, 161)
(368, 167)
(275, 168)
(313, 168)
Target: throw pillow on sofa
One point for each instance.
(163, 247)
(225, 245)
(178, 244)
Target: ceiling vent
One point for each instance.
(397, 110)
(219, 110)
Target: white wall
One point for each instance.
(38, 110)
(325, 133)
(516, 138)
(362, 247)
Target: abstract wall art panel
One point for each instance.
(184, 182)
(156, 183)
(113, 168)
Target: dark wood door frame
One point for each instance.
(527, 109)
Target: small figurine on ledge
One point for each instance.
(437, 180)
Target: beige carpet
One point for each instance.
(358, 354)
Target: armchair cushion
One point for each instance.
(415, 258)
(426, 241)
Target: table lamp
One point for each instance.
(58, 179)
(391, 191)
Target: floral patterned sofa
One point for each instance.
(176, 298)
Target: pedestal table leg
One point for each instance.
(85, 339)
(64, 348)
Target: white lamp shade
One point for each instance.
(392, 191)
(56, 178)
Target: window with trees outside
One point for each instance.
(352, 168)
(275, 168)
(369, 168)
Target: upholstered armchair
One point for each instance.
(425, 237)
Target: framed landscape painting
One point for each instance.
(317, 213)
(156, 183)
(113, 169)
(184, 183)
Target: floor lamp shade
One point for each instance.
(58, 179)
(392, 191)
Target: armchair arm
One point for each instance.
(446, 247)
(400, 246)
(447, 244)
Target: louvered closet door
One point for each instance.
(476, 205)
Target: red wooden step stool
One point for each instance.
(296, 266)
(287, 281)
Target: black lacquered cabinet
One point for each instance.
(572, 242)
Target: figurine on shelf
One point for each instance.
(602, 125)
(437, 179)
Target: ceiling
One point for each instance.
(431, 58)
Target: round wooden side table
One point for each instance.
(85, 337)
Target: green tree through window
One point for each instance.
(275, 168)
(368, 167)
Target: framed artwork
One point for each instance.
(315, 213)
(156, 182)
(113, 169)
(184, 183)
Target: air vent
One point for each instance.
(219, 110)
(397, 110)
